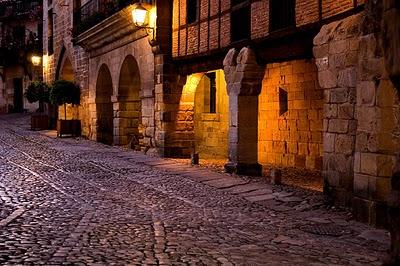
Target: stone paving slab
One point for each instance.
(248, 187)
(259, 191)
(225, 182)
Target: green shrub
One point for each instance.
(65, 92)
(38, 91)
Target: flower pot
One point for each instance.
(70, 128)
(39, 122)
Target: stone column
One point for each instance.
(391, 50)
(126, 119)
(391, 39)
(244, 78)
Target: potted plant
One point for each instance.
(65, 92)
(38, 91)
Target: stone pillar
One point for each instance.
(391, 39)
(126, 120)
(391, 50)
(244, 78)
(337, 61)
(394, 216)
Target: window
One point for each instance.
(240, 20)
(282, 14)
(213, 93)
(50, 44)
(192, 9)
(283, 101)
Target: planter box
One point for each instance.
(70, 128)
(39, 122)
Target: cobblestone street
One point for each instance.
(77, 202)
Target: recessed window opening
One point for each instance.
(50, 41)
(282, 14)
(240, 20)
(283, 101)
(213, 93)
(192, 9)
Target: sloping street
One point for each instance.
(77, 202)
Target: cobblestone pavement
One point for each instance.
(76, 202)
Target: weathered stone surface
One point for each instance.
(87, 203)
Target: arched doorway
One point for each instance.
(203, 115)
(128, 105)
(104, 107)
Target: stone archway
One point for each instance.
(67, 72)
(127, 104)
(211, 115)
(104, 107)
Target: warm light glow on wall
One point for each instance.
(153, 17)
(45, 63)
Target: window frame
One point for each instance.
(197, 14)
(276, 28)
(237, 7)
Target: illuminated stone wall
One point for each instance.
(211, 129)
(291, 136)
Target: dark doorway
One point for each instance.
(18, 96)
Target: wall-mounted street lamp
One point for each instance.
(36, 60)
(141, 19)
(140, 16)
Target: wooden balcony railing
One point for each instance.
(12, 9)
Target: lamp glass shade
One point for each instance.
(36, 60)
(139, 15)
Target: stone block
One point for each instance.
(337, 47)
(327, 79)
(369, 164)
(314, 149)
(366, 92)
(348, 77)
(367, 118)
(361, 185)
(346, 111)
(386, 165)
(338, 126)
(303, 149)
(339, 95)
(344, 144)
(330, 111)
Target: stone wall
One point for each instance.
(361, 114)
(211, 129)
(143, 70)
(290, 116)
(64, 48)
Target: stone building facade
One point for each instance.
(302, 84)
(20, 38)
(309, 91)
